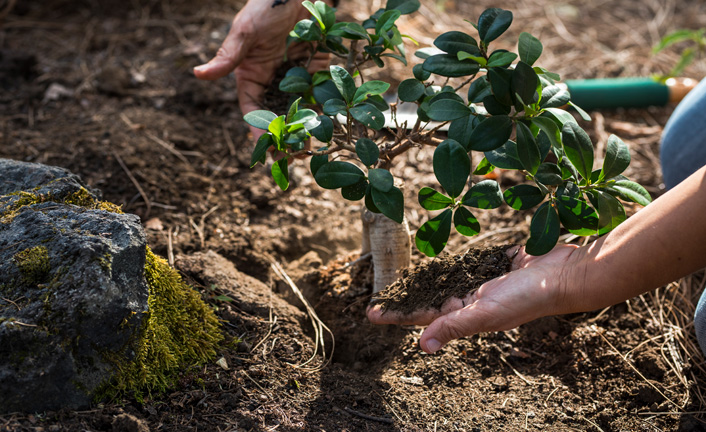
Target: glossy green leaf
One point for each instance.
(260, 119)
(344, 82)
(356, 191)
(584, 115)
(378, 102)
(326, 91)
(578, 148)
(430, 199)
(370, 88)
(461, 129)
(527, 149)
(369, 204)
(327, 14)
(336, 174)
(404, 6)
(523, 196)
(492, 23)
(501, 58)
(452, 166)
(410, 90)
(632, 191)
(550, 75)
(390, 203)
(280, 172)
(552, 132)
(367, 151)
(334, 107)
(454, 42)
(432, 236)
(529, 48)
(505, 156)
(465, 223)
(549, 174)
(617, 158)
(544, 230)
(491, 133)
(484, 195)
(381, 179)
(524, 83)
(386, 21)
(324, 131)
(484, 167)
(501, 84)
(554, 96)
(307, 30)
(494, 107)
(260, 152)
(349, 30)
(463, 55)
(368, 115)
(560, 116)
(306, 117)
(419, 73)
(448, 65)
(315, 12)
(317, 161)
(610, 212)
(478, 89)
(294, 84)
(448, 109)
(277, 128)
(577, 216)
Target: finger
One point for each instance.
(377, 315)
(464, 322)
(231, 53)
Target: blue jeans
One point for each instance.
(683, 151)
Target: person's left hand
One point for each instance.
(536, 287)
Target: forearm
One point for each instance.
(661, 243)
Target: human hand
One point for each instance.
(255, 47)
(536, 287)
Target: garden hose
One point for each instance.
(591, 94)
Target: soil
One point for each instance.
(105, 89)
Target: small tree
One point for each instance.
(511, 113)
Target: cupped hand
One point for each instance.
(537, 286)
(255, 47)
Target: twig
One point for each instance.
(168, 147)
(134, 182)
(368, 417)
(361, 259)
(170, 247)
(522, 377)
(229, 140)
(10, 301)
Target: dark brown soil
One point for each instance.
(430, 284)
(105, 89)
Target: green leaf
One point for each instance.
(494, 107)
(369, 204)
(349, 30)
(327, 14)
(560, 115)
(632, 191)
(324, 131)
(584, 115)
(386, 21)
(525, 82)
(463, 55)
(501, 58)
(491, 133)
(326, 91)
(277, 128)
(551, 75)
(314, 11)
(523, 196)
(307, 30)
(260, 119)
(461, 129)
(404, 6)
(344, 82)
(369, 88)
(577, 216)
(554, 96)
(448, 109)
(578, 148)
(367, 151)
(676, 37)
(294, 84)
(334, 107)
(430, 199)
(465, 223)
(381, 179)
(410, 90)
(544, 230)
(452, 166)
(356, 191)
(505, 156)
(336, 174)
(549, 174)
(527, 149)
(610, 212)
(431, 237)
(306, 117)
(501, 84)
(368, 115)
(551, 130)
(529, 47)
(419, 73)
(492, 23)
(454, 42)
(317, 161)
(448, 65)
(484, 167)
(484, 195)
(260, 152)
(280, 173)
(479, 89)
(390, 203)
(617, 158)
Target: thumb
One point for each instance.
(231, 53)
(463, 322)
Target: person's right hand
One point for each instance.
(255, 47)
(536, 287)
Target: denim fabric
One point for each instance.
(683, 151)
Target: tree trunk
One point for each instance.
(389, 245)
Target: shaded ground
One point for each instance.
(105, 89)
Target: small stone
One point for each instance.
(222, 363)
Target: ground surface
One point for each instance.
(105, 90)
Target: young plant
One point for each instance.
(696, 47)
(510, 111)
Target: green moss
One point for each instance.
(33, 264)
(81, 198)
(180, 330)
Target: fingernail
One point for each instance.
(433, 345)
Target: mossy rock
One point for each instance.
(87, 311)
